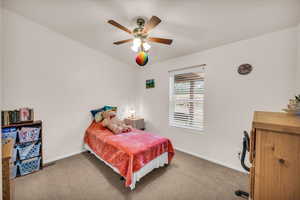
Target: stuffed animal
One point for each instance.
(113, 123)
(98, 117)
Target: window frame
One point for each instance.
(172, 74)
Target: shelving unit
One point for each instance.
(36, 124)
(22, 124)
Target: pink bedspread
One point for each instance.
(128, 152)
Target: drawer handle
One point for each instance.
(281, 161)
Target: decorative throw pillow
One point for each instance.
(94, 112)
(106, 108)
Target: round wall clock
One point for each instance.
(245, 69)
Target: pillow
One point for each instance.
(94, 112)
(113, 108)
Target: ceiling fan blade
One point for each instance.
(153, 22)
(116, 24)
(160, 40)
(122, 41)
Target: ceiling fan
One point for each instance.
(141, 34)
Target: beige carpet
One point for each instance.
(84, 177)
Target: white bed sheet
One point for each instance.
(159, 161)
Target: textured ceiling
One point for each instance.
(194, 25)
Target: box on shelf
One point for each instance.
(29, 166)
(9, 133)
(28, 134)
(30, 150)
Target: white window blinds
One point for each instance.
(186, 100)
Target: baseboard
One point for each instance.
(210, 160)
(179, 149)
(47, 162)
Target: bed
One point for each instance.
(132, 155)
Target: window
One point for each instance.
(186, 99)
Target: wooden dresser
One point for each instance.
(275, 157)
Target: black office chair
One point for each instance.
(246, 147)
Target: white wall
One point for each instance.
(298, 73)
(62, 80)
(1, 79)
(231, 98)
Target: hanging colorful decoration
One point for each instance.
(140, 37)
(142, 58)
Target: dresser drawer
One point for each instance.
(277, 164)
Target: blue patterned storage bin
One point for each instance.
(13, 171)
(30, 150)
(29, 134)
(29, 166)
(9, 133)
(14, 155)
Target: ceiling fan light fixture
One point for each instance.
(135, 48)
(146, 46)
(137, 42)
(140, 35)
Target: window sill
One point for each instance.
(189, 130)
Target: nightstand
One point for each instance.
(137, 123)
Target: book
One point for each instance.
(16, 116)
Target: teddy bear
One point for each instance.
(111, 122)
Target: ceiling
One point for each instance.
(194, 25)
